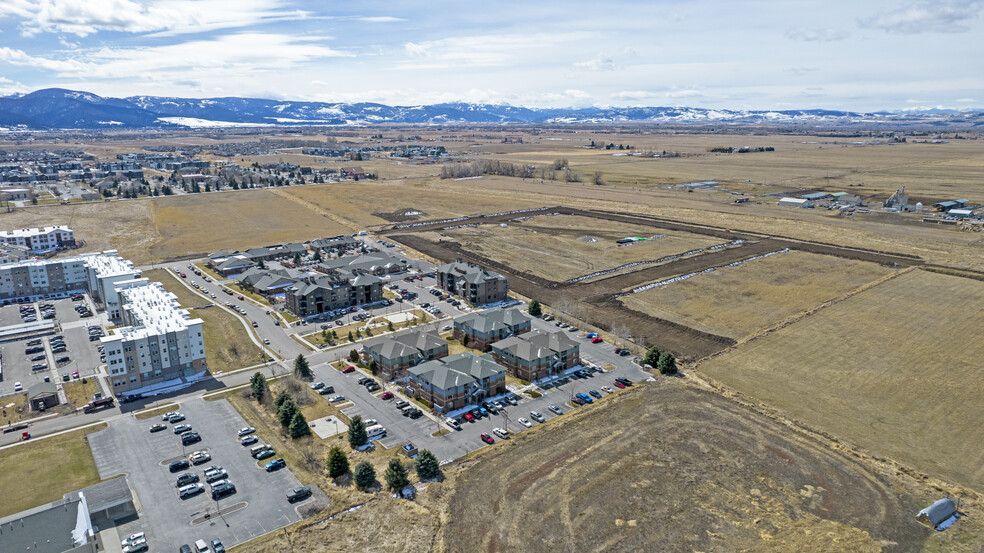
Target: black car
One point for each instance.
(222, 490)
(624, 380)
(190, 438)
(298, 494)
(364, 380)
(415, 413)
(185, 549)
(372, 387)
(187, 478)
(179, 466)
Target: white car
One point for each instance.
(246, 431)
(18, 386)
(199, 457)
(525, 422)
(132, 538)
(337, 399)
(167, 416)
(607, 390)
(501, 432)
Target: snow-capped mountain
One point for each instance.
(59, 108)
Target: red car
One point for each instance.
(596, 340)
(386, 395)
(348, 369)
(469, 417)
(618, 384)
(240, 297)
(487, 439)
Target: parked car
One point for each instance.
(401, 404)
(469, 417)
(249, 440)
(178, 417)
(275, 465)
(487, 439)
(591, 335)
(337, 399)
(596, 340)
(190, 438)
(265, 454)
(607, 390)
(535, 415)
(187, 478)
(246, 431)
(386, 395)
(585, 397)
(157, 427)
(199, 457)
(577, 400)
(595, 393)
(618, 384)
(179, 466)
(217, 546)
(167, 416)
(452, 423)
(525, 422)
(555, 409)
(317, 385)
(182, 428)
(132, 538)
(501, 432)
(297, 494)
(348, 369)
(327, 390)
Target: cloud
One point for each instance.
(600, 63)
(935, 16)
(633, 95)
(799, 71)
(482, 50)
(227, 56)
(165, 17)
(379, 19)
(683, 93)
(816, 35)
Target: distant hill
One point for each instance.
(57, 108)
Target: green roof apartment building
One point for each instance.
(537, 355)
(485, 327)
(476, 285)
(395, 355)
(457, 380)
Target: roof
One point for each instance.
(107, 494)
(406, 343)
(535, 345)
(41, 389)
(493, 320)
(365, 280)
(472, 274)
(937, 512)
(456, 370)
(235, 262)
(793, 201)
(948, 203)
(55, 521)
(815, 196)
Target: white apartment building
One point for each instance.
(38, 279)
(160, 342)
(105, 271)
(40, 239)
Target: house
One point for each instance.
(457, 381)
(395, 354)
(938, 513)
(484, 328)
(232, 265)
(354, 172)
(536, 355)
(476, 285)
(795, 202)
(42, 395)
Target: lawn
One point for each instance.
(227, 343)
(894, 369)
(42, 471)
(342, 332)
(736, 301)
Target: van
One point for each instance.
(375, 432)
(201, 547)
(254, 451)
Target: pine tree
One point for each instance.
(357, 436)
(365, 475)
(351, 338)
(259, 386)
(338, 463)
(299, 426)
(667, 363)
(396, 475)
(389, 326)
(301, 368)
(534, 309)
(354, 356)
(652, 356)
(282, 397)
(426, 465)
(287, 411)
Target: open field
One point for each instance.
(894, 370)
(696, 472)
(736, 301)
(556, 247)
(187, 224)
(227, 343)
(67, 466)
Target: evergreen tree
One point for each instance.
(351, 338)
(299, 426)
(534, 309)
(357, 436)
(396, 475)
(317, 255)
(373, 368)
(282, 397)
(354, 356)
(667, 363)
(365, 475)
(389, 326)
(338, 463)
(301, 368)
(426, 465)
(259, 386)
(286, 412)
(652, 356)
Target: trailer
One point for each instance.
(97, 404)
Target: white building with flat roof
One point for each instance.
(106, 269)
(160, 341)
(40, 239)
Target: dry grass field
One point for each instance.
(227, 343)
(555, 248)
(894, 370)
(227, 221)
(737, 301)
(693, 472)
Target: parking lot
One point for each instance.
(258, 506)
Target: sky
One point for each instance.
(865, 55)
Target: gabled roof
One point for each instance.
(535, 345)
(407, 343)
(234, 262)
(365, 280)
(493, 320)
(41, 388)
(457, 370)
(471, 274)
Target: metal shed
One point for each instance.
(937, 513)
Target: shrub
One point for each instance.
(365, 475)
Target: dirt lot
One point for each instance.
(736, 301)
(695, 472)
(893, 369)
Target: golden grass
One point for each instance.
(227, 343)
(47, 468)
(77, 393)
(736, 301)
(893, 369)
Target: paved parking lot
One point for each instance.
(258, 506)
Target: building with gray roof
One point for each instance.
(375, 263)
(538, 354)
(457, 380)
(485, 327)
(474, 284)
(396, 353)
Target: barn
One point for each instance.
(795, 202)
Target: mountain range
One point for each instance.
(56, 108)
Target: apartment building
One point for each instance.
(457, 380)
(394, 355)
(96, 273)
(536, 355)
(485, 327)
(476, 285)
(316, 295)
(157, 342)
(40, 239)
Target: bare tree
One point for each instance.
(621, 332)
(598, 178)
